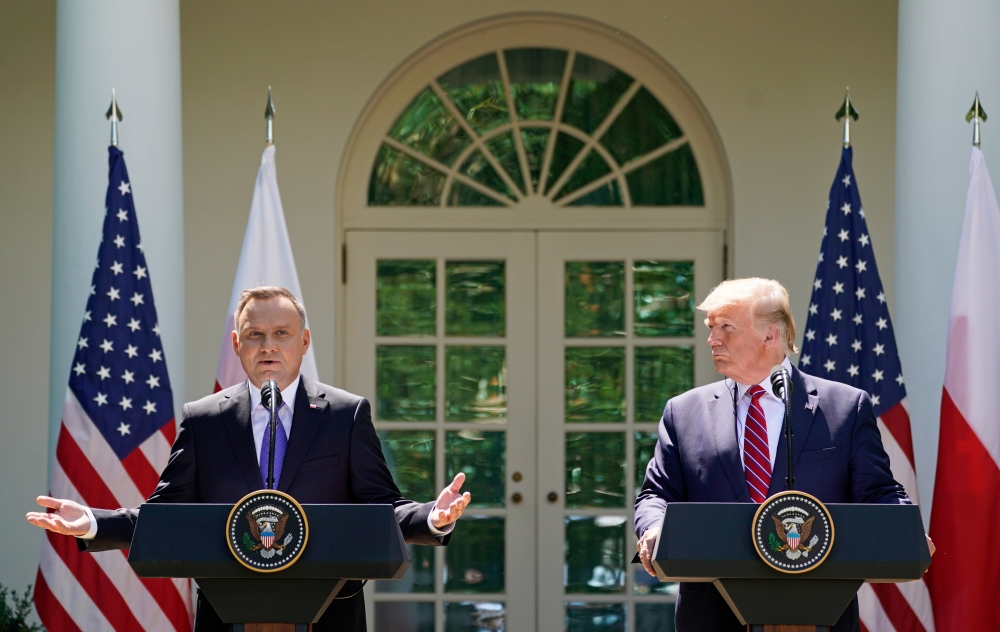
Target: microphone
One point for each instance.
(781, 384)
(270, 397)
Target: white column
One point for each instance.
(948, 49)
(133, 47)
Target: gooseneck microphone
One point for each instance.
(781, 384)
(270, 397)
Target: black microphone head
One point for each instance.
(268, 390)
(780, 378)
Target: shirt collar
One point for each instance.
(765, 383)
(287, 394)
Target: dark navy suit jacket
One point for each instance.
(333, 456)
(837, 455)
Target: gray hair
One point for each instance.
(265, 292)
(767, 300)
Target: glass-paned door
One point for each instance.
(441, 336)
(618, 335)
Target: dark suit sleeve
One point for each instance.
(371, 482)
(871, 478)
(664, 481)
(177, 485)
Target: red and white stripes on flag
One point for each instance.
(965, 514)
(266, 259)
(91, 592)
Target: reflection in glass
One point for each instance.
(605, 195)
(475, 384)
(592, 168)
(471, 616)
(595, 298)
(404, 616)
(428, 126)
(480, 170)
(660, 373)
(595, 469)
(594, 89)
(595, 554)
(646, 584)
(654, 617)
(535, 75)
(399, 180)
(595, 384)
(474, 559)
(595, 617)
(502, 148)
(477, 91)
(641, 127)
(670, 180)
(410, 457)
(534, 140)
(475, 299)
(664, 298)
(419, 578)
(645, 444)
(405, 297)
(464, 195)
(566, 149)
(481, 455)
(405, 380)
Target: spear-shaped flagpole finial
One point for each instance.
(976, 115)
(847, 112)
(114, 114)
(269, 116)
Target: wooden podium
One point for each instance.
(346, 542)
(711, 542)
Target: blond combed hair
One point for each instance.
(767, 300)
(265, 292)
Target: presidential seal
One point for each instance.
(267, 531)
(792, 532)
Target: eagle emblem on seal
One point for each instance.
(267, 526)
(793, 531)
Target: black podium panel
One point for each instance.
(345, 542)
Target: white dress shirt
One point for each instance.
(260, 417)
(774, 412)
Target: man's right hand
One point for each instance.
(69, 518)
(645, 547)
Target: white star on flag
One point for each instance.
(838, 288)
(107, 345)
(879, 349)
(153, 382)
(124, 428)
(137, 299)
(150, 407)
(847, 180)
(829, 365)
(110, 320)
(104, 373)
(831, 339)
(124, 188)
(122, 215)
(114, 293)
(128, 376)
(846, 208)
(881, 323)
(86, 316)
(818, 283)
(875, 401)
(132, 351)
(156, 329)
(860, 293)
(116, 268)
(881, 297)
(101, 399)
(156, 355)
(134, 325)
(861, 265)
(857, 318)
(844, 235)
(82, 343)
(856, 345)
(835, 314)
(139, 272)
(120, 241)
(863, 239)
(811, 334)
(899, 379)
(813, 307)
(877, 375)
(79, 369)
(842, 261)
(126, 403)
(806, 360)
(853, 370)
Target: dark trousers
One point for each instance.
(700, 608)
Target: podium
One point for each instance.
(712, 542)
(346, 542)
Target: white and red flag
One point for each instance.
(266, 259)
(114, 439)
(965, 518)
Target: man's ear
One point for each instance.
(773, 336)
(236, 343)
(305, 341)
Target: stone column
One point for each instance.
(948, 49)
(133, 47)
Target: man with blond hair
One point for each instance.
(326, 451)
(722, 442)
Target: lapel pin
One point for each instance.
(809, 406)
(312, 405)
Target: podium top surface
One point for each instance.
(708, 541)
(345, 542)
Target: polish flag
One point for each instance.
(266, 259)
(965, 518)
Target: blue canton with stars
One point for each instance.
(848, 335)
(119, 373)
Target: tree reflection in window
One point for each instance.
(535, 122)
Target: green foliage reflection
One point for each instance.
(475, 298)
(595, 469)
(482, 456)
(475, 384)
(660, 373)
(474, 559)
(664, 298)
(405, 298)
(595, 554)
(595, 298)
(595, 384)
(405, 379)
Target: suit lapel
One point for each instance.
(805, 401)
(720, 412)
(235, 410)
(310, 408)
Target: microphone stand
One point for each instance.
(272, 406)
(786, 397)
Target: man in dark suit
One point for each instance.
(723, 442)
(326, 451)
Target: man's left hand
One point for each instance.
(451, 503)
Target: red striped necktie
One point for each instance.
(756, 459)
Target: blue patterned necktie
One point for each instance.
(280, 444)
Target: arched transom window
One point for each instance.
(524, 122)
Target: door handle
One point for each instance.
(516, 498)
(553, 497)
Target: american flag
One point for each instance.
(117, 428)
(849, 338)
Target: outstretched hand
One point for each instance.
(451, 502)
(69, 517)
